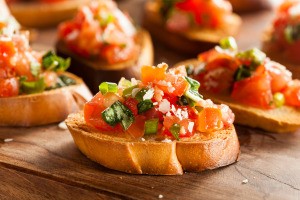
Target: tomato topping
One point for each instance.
(132, 103)
(9, 87)
(292, 93)
(209, 119)
(152, 73)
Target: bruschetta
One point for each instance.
(260, 92)
(43, 13)
(281, 40)
(160, 125)
(34, 89)
(104, 44)
(8, 23)
(190, 26)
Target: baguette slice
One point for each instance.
(118, 152)
(46, 107)
(41, 15)
(192, 41)
(280, 120)
(98, 70)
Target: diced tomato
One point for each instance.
(132, 103)
(7, 50)
(152, 73)
(280, 76)
(50, 78)
(169, 121)
(116, 53)
(209, 119)
(9, 87)
(154, 113)
(292, 93)
(174, 85)
(137, 129)
(180, 70)
(93, 110)
(66, 28)
(254, 91)
(171, 98)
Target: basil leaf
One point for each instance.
(145, 105)
(51, 61)
(139, 96)
(175, 129)
(243, 72)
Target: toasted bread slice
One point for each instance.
(279, 120)
(97, 70)
(46, 107)
(192, 41)
(149, 156)
(41, 15)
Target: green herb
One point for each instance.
(243, 72)
(175, 129)
(145, 105)
(183, 101)
(124, 83)
(139, 96)
(107, 20)
(228, 43)
(292, 33)
(255, 56)
(128, 91)
(151, 126)
(106, 87)
(192, 93)
(30, 87)
(51, 61)
(193, 83)
(118, 113)
(189, 69)
(278, 99)
(35, 68)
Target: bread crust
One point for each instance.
(98, 70)
(192, 41)
(41, 15)
(122, 153)
(279, 120)
(46, 107)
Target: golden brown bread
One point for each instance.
(46, 107)
(192, 41)
(41, 15)
(95, 71)
(122, 153)
(279, 120)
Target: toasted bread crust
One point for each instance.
(44, 108)
(119, 152)
(95, 71)
(41, 15)
(189, 42)
(279, 120)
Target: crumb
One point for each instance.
(62, 125)
(143, 139)
(152, 187)
(245, 181)
(254, 177)
(160, 196)
(120, 177)
(8, 140)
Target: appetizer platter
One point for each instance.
(51, 162)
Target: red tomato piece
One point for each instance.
(209, 119)
(137, 129)
(254, 91)
(9, 87)
(292, 93)
(151, 73)
(132, 103)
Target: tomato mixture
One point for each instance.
(163, 103)
(285, 36)
(100, 30)
(181, 15)
(24, 71)
(249, 77)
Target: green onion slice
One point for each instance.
(255, 55)
(51, 61)
(128, 91)
(30, 87)
(151, 126)
(108, 87)
(228, 43)
(175, 129)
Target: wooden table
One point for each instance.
(44, 163)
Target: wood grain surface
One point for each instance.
(44, 163)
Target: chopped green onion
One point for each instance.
(145, 105)
(151, 126)
(278, 99)
(139, 96)
(292, 33)
(35, 68)
(228, 43)
(193, 95)
(51, 61)
(193, 83)
(255, 55)
(30, 87)
(124, 83)
(108, 19)
(175, 129)
(106, 87)
(128, 91)
(116, 113)
(242, 72)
